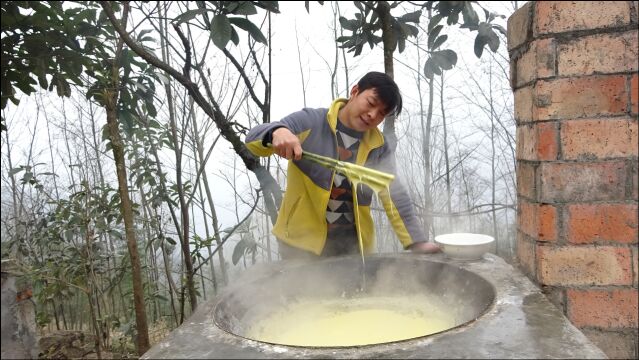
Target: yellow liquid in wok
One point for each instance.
(351, 322)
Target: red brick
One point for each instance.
(608, 309)
(526, 180)
(580, 97)
(615, 344)
(634, 171)
(537, 142)
(519, 27)
(635, 266)
(523, 104)
(577, 265)
(526, 255)
(561, 16)
(546, 55)
(526, 66)
(547, 139)
(536, 63)
(599, 54)
(547, 223)
(598, 139)
(591, 223)
(634, 94)
(539, 221)
(526, 142)
(576, 182)
(528, 218)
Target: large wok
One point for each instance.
(466, 295)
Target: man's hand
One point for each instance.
(286, 144)
(424, 248)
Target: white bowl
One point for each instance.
(464, 246)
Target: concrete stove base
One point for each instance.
(521, 323)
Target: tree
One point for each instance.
(272, 193)
(46, 45)
(375, 16)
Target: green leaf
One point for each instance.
(27, 177)
(493, 40)
(433, 36)
(142, 33)
(235, 38)
(15, 171)
(428, 69)
(440, 40)
(469, 14)
(480, 41)
(500, 29)
(408, 30)
(271, 6)
(435, 31)
(351, 25)
(411, 17)
(189, 15)
(245, 8)
(238, 251)
(452, 19)
(343, 39)
(434, 21)
(220, 30)
(445, 59)
(484, 29)
(151, 109)
(401, 44)
(248, 26)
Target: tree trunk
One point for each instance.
(142, 343)
(492, 157)
(389, 41)
(446, 160)
(188, 260)
(117, 145)
(426, 129)
(209, 196)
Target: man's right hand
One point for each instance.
(286, 144)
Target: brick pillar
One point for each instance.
(574, 77)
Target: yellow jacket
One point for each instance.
(301, 221)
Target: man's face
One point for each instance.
(364, 110)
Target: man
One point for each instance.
(317, 217)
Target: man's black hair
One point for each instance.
(386, 89)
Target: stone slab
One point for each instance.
(521, 323)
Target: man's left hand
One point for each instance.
(424, 248)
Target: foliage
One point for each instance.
(44, 44)
(223, 25)
(364, 28)
(247, 244)
(368, 22)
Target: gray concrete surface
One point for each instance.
(521, 323)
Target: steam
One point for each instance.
(411, 284)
